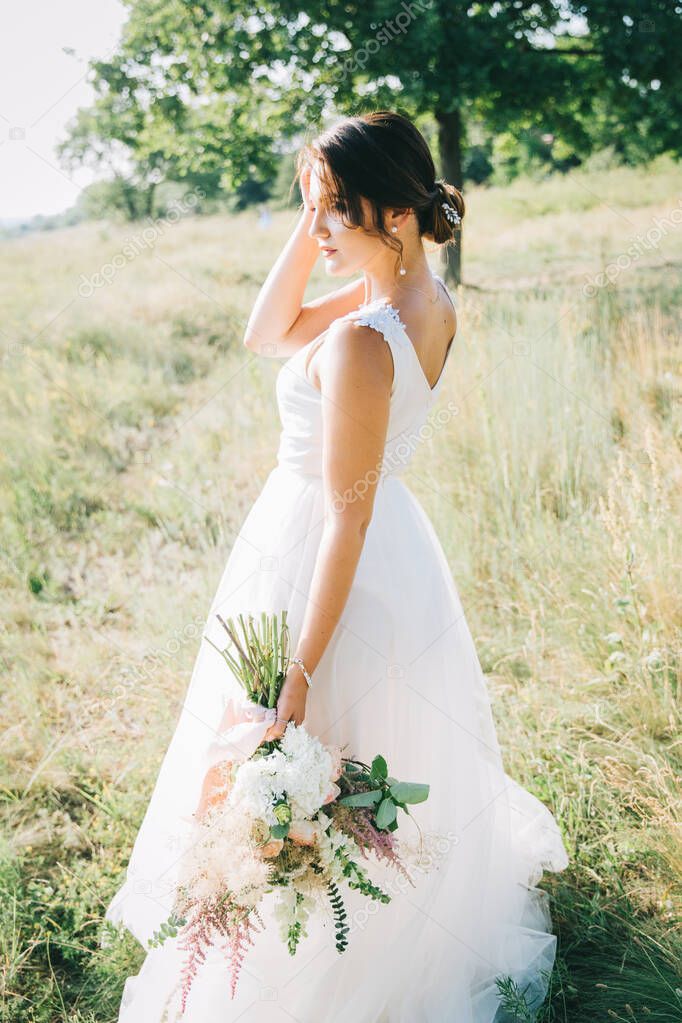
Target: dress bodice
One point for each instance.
(300, 402)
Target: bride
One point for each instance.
(385, 662)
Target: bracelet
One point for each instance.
(299, 662)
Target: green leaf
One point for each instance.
(279, 830)
(386, 813)
(379, 767)
(361, 798)
(409, 792)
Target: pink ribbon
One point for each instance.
(240, 732)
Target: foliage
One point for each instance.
(210, 94)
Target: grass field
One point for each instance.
(136, 431)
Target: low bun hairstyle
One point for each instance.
(383, 158)
(441, 229)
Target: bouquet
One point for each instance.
(292, 816)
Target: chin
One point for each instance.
(334, 269)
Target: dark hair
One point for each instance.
(383, 158)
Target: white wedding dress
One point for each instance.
(400, 677)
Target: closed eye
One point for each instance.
(335, 210)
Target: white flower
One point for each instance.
(328, 843)
(301, 769)
(308, 771)
(287, 910)
(259, 784)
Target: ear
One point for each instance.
(397, 218)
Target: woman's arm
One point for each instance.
(280, 323)
(356, 373)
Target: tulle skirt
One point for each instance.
(400, 677)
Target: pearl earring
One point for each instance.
(403, 271)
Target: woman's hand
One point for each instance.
(279, 304)
(291, 703)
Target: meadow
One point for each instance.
(135, 432)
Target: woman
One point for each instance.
(338, 539)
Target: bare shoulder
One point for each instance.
(451, 315)
(449, 309)
(354, 354)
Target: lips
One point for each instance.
(327, 251)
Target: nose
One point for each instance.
(318, 227)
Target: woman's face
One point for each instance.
(346, 250)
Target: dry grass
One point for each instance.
(136, 432)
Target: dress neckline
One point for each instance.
(395, 316)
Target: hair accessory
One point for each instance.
(299, 662)
(451, 213)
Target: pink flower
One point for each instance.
(272, 848)
(303, 832)
(215, 787)
(336, 761)
(333, 793)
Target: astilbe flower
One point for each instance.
(229, 920)
(367, 836)
(223, 857)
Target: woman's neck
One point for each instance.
(382, 281)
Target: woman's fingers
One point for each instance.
(290, 707)
(275, 731)
(305, 183)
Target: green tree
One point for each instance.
(218, 88)
(635, 78)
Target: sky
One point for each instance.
(41, 88)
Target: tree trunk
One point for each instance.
(128, 194)
(149, 199)
(450, 152)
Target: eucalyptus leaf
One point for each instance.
(409, 792)
(386, 813)
(361, 798)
